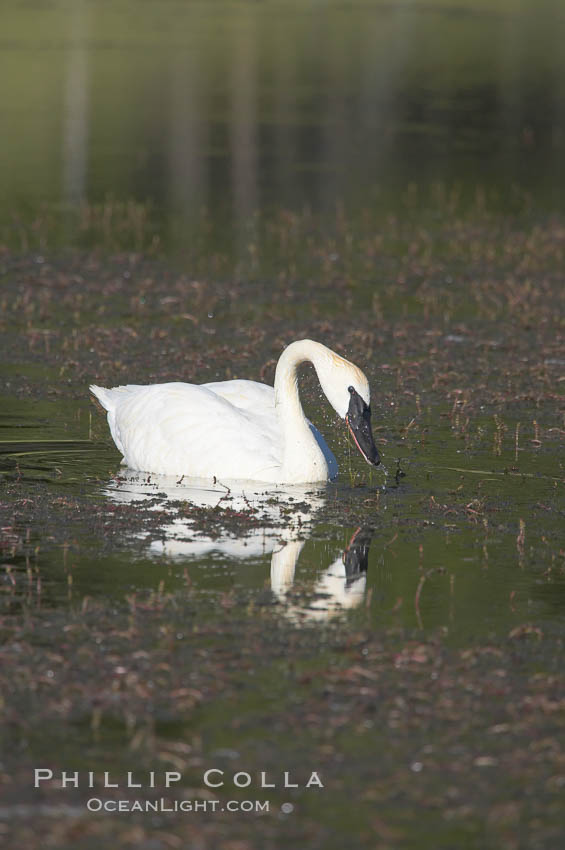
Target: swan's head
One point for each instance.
(347, 390)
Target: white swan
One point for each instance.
(240, 429)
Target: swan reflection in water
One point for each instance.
(341, 585)
(285, 514)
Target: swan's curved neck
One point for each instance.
(300, 447)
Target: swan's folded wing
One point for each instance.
(245, 395)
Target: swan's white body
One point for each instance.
(233, 429)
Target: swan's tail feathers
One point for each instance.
(104, 396)
(110, 398)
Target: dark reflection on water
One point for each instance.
(235, 107)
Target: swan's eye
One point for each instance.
(350, 389)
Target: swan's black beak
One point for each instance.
(358, 418)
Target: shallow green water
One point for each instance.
(429, 565)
